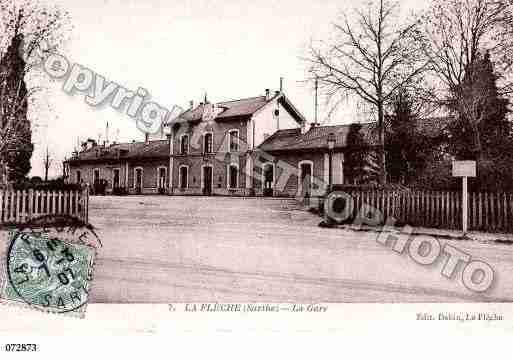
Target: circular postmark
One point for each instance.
(50, 264)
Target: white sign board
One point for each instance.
(464, 168)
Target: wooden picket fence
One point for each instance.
(19, 206)
(491, 212)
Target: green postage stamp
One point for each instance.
(45, 273)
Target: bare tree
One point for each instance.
(373, 54)
(459, 31)
(470, 44)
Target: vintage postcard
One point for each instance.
(320, 166)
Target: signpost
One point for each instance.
(464, 169)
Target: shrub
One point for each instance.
(52, 185)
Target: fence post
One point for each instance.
(499, 211)
(77, 213)
(57, 202)
(493, 219)
(29, 204)
(438, 202)
(423, 209)
(46, 206)
(452, 209)
(71, 200)
(22, 206)
(1, 205)
(486, 210)
(510, 207)
(53, 200)
(11, 206)
(474, 210)
(505, 209)
(414, 207)
(86, 203)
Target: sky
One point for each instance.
(179, 50)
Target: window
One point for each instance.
(233, 176)
(207, 143)
(79, 177)
(184, 177)
(184, 145)
(234, 140)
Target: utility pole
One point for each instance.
(316, 99)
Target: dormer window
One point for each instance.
(208, 143)
(184, 145)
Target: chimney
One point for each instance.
(267, 94)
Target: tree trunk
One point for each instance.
(382, 155)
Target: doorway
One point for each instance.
(138, 180)
(207, 181)
(161, 180)
(268, 182)
(305, 178)
(115, 181)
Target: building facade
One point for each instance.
(213, 146)
(132, 168)
(300, 162)
(257, 146)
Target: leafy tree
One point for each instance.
(359, 161)
(482, 131)
(27, 27)
(17, 146)
(481, 124)
(400, 141)
(410, 146)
